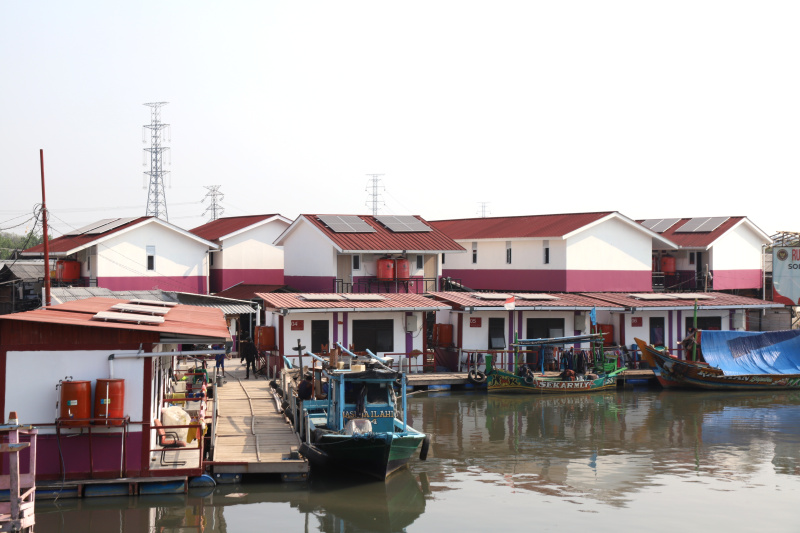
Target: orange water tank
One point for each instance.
(76, 402)
(386, 269)
(68, 270)
(109, 401)
(403, 268)
(443, 334)
(265, 338)
(668, 264)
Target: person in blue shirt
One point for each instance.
(220, 359)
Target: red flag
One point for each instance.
(510, 303)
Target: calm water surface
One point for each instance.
(628, 460)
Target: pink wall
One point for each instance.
(554, 280)
(106, 449)
(310, 283)
(225, 278)
(195, 284)
(736, 279)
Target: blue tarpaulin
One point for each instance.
(752, 352)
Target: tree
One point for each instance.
(11, 243)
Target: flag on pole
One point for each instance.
(510, 303)
(593, 316)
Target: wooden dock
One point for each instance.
(252, 435)
(433, 379)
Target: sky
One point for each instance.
(653, 109)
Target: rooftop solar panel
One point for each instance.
(144, 309)
(491, 295)
(114, 224)
(364, 297)
(90, 227)
(523, 296)
(402, 224)
(321, 297)
(135, 318)
(652, 296)
(704, 224)
(346, 224)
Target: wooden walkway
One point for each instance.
(424, 380)
(252, 436)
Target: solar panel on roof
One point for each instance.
(114, 224)
(491, 295)
(346, 224)
(523, 296)
(364, 297)
(90, 227)
(652, 296)
(712, 223)
(660, 225)
(704, 224)
(402, 224)
(153, 302)
(693, 296)
(135, 318)
(321, 297)
(138, 308)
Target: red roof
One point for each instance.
(535, 226)
(389, 301)
(65, 243)
(225, 226)
(247, 292)
(697, 239)
(706, 300)
(186, 320)
(385, 240)
(570, 300)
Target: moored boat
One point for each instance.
(734, 360)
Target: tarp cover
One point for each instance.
(752, 352)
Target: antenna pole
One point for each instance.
(44, 237)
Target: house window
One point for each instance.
(375, 335)
(442, 258)
(474, 253)
(546, 257)
(151, 258)
(356, 262)
(508, 252)
(691, 258)
(497, 337)
(420, 265)
(211, 259)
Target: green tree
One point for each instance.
(10, 243)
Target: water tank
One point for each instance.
(386, 269)
(608, 333)
(443, 334)
(109, 401)
(265, 338)
(668, 264)
(403, 268)
(75, 402)
(68, 270)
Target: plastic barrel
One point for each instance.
(109, 401)
(76, 402)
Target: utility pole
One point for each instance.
(373, 192)
(215, 196)
(156, 199)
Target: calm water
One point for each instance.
(629, 460)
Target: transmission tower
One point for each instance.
(483, 209)
(215, 196)
(156, 199)
(373, 191)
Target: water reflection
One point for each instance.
(328, 505)
(606, 446)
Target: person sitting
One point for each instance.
(305, 388)
(567, 375)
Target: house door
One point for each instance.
(497, 333)
(344, 271)
(320, 335)
(657, 331)
(430, 273)
(544, 328)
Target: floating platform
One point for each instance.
(458, 380)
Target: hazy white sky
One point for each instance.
(651, 108)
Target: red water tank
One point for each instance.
(109, 401)
(76, 402)
(668, 264)
(386, 269)
(68, 270)
(443, 334)
(403, 268)
(265, 338)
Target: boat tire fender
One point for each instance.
(529, 379)
(476, 376)
(313, 454)
(423, 452)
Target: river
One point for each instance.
(642, 460)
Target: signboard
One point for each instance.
(636, 321)
(786, 274)
(474, 321)
(297, 325)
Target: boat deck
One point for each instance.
(435, 379)
(252, 435)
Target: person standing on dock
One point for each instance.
(248, 351)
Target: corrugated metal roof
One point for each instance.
(385, 240)
(248, 292)
(66, 243)
(698, 239)
(227, 305)
(679, 300)
(215, 229)
(25, 271)
(534, 226)
(181, 320)
(392, 301)
(461, 300)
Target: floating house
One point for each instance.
(358, 253)
(131, 254)
(712, 253)
(388, 324)
(246, 252)
(575, 252)
(93, 376)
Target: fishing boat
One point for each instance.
(521, 379)
(360, 426)
(733, 360)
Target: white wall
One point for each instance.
(611, 245)
(253, 249)
(526, 254)
(31, 379)
(125, 255)
(738, 249)
(307, 252)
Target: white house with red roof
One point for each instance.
(359, 253)
(388, 324)
(136, 253)
(574, 252)
(246, 251)
(719, 253)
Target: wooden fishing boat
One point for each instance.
(524, 380)
(361, 426)
(731, 357)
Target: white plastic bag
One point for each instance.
(175, 416)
